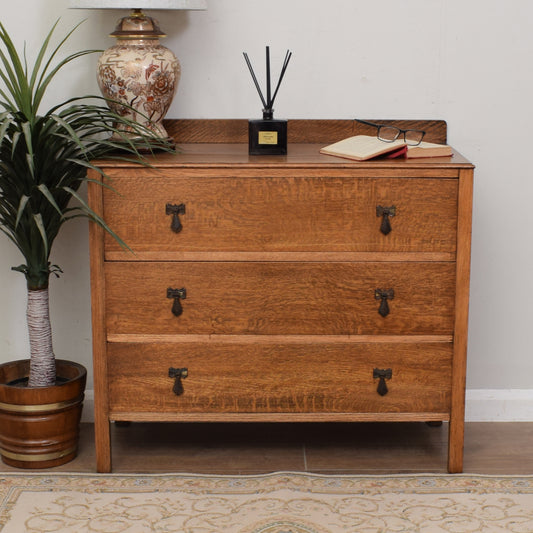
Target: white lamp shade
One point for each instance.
(138, 4)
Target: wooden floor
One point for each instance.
(369, 448)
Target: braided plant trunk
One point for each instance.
(42, 366)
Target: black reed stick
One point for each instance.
(283, 69)
(269, 102)
(255, 79)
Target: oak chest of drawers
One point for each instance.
(294, 288)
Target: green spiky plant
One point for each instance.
(43, 162)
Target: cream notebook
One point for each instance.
(361, 147)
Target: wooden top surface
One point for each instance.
(224, 143)
(299, 156)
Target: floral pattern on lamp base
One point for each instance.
(143, 75)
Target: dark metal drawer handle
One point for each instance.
(384, 296)
(178, 374)
(178, 295)
(382, 375)
(175, 210)
(386, 213)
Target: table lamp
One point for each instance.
(138, 71)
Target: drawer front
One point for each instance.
(280, 298)
(279, 378)
(295, 214)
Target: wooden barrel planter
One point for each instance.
(39, 427)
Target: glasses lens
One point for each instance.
(413, 137)
(388, 133)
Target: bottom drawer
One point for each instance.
(269, 377)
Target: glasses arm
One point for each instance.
(368, 123)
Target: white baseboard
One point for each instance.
(499, 405)
(482, 405)
(87, 415)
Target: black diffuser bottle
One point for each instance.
(267, 136)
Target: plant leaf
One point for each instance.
(15, 71)
(43, 83)
(7, 121)
(14, 141)
(94, 216)
(22, 205)
(40, 56)
(37, 217)
(49, 196)
(72, 134)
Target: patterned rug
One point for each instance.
(271, 503)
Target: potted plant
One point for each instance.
(43, 162)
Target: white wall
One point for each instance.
(465, 61)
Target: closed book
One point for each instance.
(425, 149)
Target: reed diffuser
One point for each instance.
(267, 136)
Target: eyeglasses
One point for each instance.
(389, 134)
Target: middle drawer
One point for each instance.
(307, 298)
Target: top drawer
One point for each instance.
(280, 214)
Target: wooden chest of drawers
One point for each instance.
(293, 288)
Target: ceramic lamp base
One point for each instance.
(138, 75)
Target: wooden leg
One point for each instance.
(103, 445)
(456, 445)
(101, 404)
(457, 411)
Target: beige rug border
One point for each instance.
(267, 482)
(445, 481)
(49, 473)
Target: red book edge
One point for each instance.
(399, 152)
